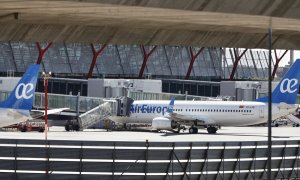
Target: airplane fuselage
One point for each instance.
(223, 113)
(12, 116)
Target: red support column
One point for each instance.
(193, 58)
(277, 62)
(146, 57)
(95, 56)
(236, 62)
(41, 52)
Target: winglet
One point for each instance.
(171, 105)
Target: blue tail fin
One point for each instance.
(23, 94)
(287, 89)
(171, 105)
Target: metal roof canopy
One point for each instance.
(95, 22)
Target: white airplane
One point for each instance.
(170, 115)
(16, 108)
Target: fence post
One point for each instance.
(146, 158)
(114, 157)
(80, 161)
(16, 162)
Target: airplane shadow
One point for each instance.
(225, 134)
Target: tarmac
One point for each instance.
(224, 134)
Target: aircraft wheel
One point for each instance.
(297, 125)
(212, 130)
(193, 130)
(128, 127)
(67, 127)
(24, 129)
(76, 127)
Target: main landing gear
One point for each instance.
(212, 130)
(193, 130)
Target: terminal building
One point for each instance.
(102, 54)
(125, 61)
(180, 70)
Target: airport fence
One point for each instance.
(60, 159)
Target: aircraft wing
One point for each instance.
(11, 116)
(185, 118)
(51, 111)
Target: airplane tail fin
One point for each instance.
(23, 94)
(171, 105)
(287, 89)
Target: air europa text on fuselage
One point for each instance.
(144, 108)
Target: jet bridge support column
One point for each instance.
(237, 59)
(277, 62)
(193, 59)
(124, 105)
(96, 53)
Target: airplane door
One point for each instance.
(261, 112)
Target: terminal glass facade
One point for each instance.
(167, 62)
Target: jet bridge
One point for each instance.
(109, 107)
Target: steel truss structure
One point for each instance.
(61, 159)
(134, 61)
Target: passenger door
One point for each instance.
(261, 112)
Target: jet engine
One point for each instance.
(162, 123)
